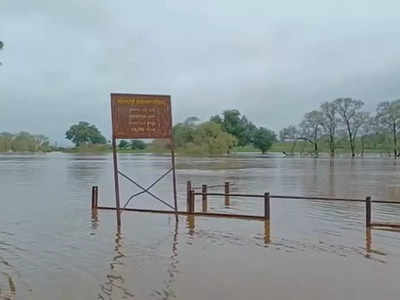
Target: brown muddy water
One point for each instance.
(51, 247)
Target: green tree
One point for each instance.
(137, 145)
(191, 121)
(123, 144)
(183, 132)
(263, 139)
(209, 138)
(237, 125)
(84, 133)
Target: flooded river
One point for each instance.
(52, 247)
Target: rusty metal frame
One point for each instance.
(118, 173)
(145, 190)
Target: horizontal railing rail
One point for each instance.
(296, 197)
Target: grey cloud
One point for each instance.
(272, 61)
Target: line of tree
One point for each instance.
(221, 134)
(344, 118)
(24, 142)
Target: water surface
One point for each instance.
(52, 247)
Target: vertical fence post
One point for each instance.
(368, 211)
(97, 196)
(227, 200)
(204, 197)
(188, 195)
(94, 196)
(266, 206)
(192, 200)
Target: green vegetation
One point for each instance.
(221, 135)
(133, 146)
(84, 133)
(246, 133)
(24, 142)
(205, 138)
(263, 139)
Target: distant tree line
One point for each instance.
(343, 122)
(24, 142)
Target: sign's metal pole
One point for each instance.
(173, 174)
(114, 146)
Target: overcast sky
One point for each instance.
(272, 60)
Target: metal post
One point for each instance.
(192, 200)
(368, 211)
(267, 232)
(204, 197)
(266, 206)
(368, 240)
(188, 190)
(227, 194)
(173, 174)
(94, 196)
(116, 182)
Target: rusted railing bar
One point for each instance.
(205, 214)
(211, 186)
(232, 195)
(317, 198)
(385, 225)
(301, 197)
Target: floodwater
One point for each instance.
(53, 247)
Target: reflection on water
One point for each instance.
(115, 286)
(53, 246)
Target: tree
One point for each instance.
(137, 145)
(352, 117)
(209, 138)
(183, 134)
(263, 139)
(388, 117)
(191, 121)
(311, 127)
(5, 141)
(123, 144)
(84, 133)
(330, 123)
(237, 125)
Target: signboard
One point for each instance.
(137, 116)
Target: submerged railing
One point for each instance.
(227, 194)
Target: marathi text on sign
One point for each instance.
(141, 116)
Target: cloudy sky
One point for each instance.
(272, 60)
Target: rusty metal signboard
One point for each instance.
(141, 116)
(136, 116)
